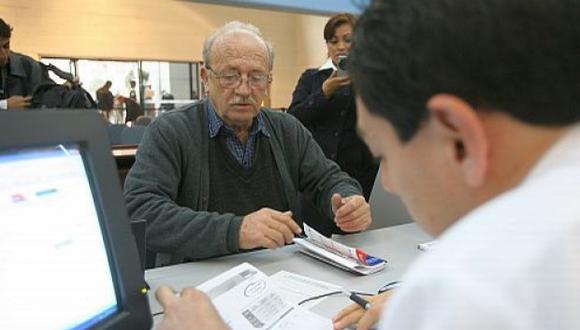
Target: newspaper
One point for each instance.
(342, 256)
(246, 299)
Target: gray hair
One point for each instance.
(237, 26)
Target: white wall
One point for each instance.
(158, 30)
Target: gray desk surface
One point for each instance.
(397, 245)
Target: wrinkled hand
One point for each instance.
(352, 213)
(191, 310)
(267, 228)
(356, 314)
(330, 85)
(18, 102)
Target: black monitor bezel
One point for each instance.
(30, 129)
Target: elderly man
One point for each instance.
(223, 175)
(19, 74)
(473, 107)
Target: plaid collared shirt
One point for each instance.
(243, 154)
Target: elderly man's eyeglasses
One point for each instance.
(234, 79)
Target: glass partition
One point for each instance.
(154, 86)
(61, 63)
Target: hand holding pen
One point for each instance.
(364, 317)
(365, 304)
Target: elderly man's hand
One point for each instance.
(191, 310)
(356, 314)
(267, 228)
(18, 102)
(352, 213)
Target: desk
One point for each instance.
(124, 158)
(398, 245)
(124, 154)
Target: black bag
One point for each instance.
(69, 95)
(52, 95)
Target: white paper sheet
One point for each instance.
(247, 299)
(295, 288)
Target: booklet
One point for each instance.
(247, 299)
(342, 256)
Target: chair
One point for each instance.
(115, 131)
(387, 209)
(132, 135)
(142, 121)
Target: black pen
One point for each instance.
(365, 304)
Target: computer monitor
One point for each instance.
(68, 259)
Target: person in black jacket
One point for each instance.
(19, 74)
(324, 102)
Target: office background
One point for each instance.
(159, 30)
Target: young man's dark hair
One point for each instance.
(480, 51)
(5, 29)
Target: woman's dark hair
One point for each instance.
(335, 22)
(5, 29)
(519, 57)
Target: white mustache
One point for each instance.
(242, 100)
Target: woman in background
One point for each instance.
(324, 102)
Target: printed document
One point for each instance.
(246, 299)
(296, 288)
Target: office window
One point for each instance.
(64, 64)
(94, 73)
(160, 85)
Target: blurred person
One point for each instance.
(166, 106)
(132, 91)
(223, 175)
(324, 103)
(478, 130)
(19, 74)
(105, 99)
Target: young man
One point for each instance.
(19, 74)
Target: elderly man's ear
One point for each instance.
(463, 133)
(204, 74)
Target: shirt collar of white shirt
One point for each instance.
(327, 65)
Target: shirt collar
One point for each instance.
(215, 123)
(564, 152)
(327, 65)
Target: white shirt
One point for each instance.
(512, 263)
(328, 64)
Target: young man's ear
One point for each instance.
(460, 123)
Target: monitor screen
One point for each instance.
(51, 242)
(68, 258)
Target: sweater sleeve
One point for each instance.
(153, 188)
(308, 101)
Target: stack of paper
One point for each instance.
(345, 257)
